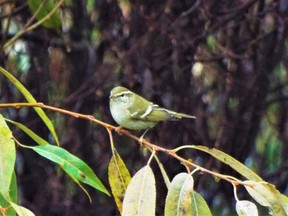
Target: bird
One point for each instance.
(131, 111)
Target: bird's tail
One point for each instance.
(177, 116)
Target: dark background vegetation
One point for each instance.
(222, 61)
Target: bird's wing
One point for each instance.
(153, 113)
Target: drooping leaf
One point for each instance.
(119, 178)
(31, 99)
(29, 132)
(266, 191)
(266, 195)
(7, 158)
(179, 198)
(71, 164)
(140, 196)
(163, 172)
(246, 208)
(21, 211)
(230, 161)
(42, 8)
(199, 205)
(260, 193)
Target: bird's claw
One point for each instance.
(141, 140)
(119, 130)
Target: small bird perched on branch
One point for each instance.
(134, 112)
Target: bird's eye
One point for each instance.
(122, 95)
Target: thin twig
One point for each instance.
(151, 146)
(40, 22)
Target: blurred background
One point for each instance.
(222, 61)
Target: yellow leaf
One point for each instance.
(119, 178)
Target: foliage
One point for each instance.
(222, 61)
(136, 196)
(78, 170)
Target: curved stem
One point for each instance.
(23, 31)
(154, 148)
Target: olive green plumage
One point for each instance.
(134, 112)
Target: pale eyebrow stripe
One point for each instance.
(121, 93)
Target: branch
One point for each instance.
(20, 33)
(172, 152)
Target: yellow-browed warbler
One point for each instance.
(134, 112)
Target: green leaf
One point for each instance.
(246, 208)
(277, 204)
(13, 197)
(199, 205)
(21, 211)
(140, 196)
(163, 171)
(29, 132)
(210, 41)
(42, 9)
(13, 189)
(75, 167)
(230, 161)
(7, 158)
(31, 99)
(266, 195)
(178, 200)
(259, 193)
(262, 192)
(4, 204)
(119, 178)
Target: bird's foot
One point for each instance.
(141, 140)
(119, 130)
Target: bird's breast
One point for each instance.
(122, 117)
